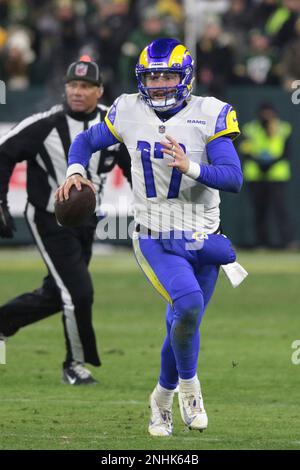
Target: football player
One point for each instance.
(182, 155)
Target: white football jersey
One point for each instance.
(164, 198)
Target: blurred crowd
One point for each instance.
(250, 42)
(241, 42)
(39, 38)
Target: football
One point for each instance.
(77, 209)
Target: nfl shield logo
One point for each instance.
(162, 129)
(81, 70)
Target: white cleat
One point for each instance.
(161, 421)
(192, 410)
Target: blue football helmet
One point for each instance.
(165, 55)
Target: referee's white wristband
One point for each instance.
(75, 168)
(194, 170)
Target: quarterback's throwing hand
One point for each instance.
(75, 180)
(181, 161)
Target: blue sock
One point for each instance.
(179, 354)
(184, 333)
(168, 371)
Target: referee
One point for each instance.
(43, 140)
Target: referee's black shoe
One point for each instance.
(77, 374)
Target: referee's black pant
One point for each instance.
(67, 287)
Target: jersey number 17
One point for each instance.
(145, 149)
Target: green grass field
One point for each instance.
(250, 386)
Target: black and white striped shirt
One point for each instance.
(43, 140)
